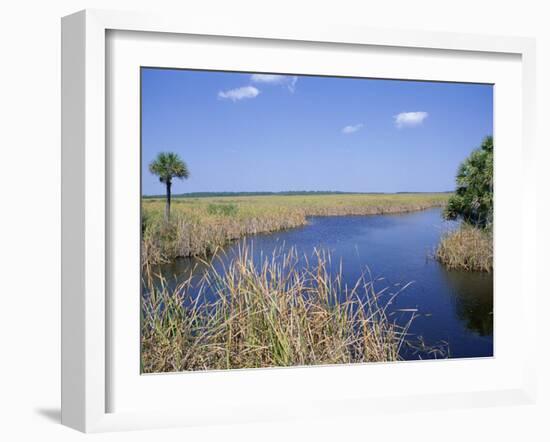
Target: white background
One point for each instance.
(269, 389)
(30, 217)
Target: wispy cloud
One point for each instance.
(410, 119)
(239, 93)
(267, 78)
(352, 128)
(292, 84)
(284, 80)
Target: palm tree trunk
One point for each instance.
(168, 197)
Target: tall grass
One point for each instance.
(228, 209)
(199, 226)
(468, 248)
(272, 313)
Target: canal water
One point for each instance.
(454, 308)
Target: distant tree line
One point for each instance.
(283, 193)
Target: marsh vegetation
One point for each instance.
(199, 226)
(273, 314)
(467, 248)
(470, 248)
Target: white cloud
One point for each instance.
(239, 93)
(285, 80)
(267, 78)
(352, 128)
(410, 119)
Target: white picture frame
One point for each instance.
(87, 318)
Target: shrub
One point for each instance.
(473, 200)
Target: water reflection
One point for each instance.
(472, 294)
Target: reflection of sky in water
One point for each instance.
(454, 306)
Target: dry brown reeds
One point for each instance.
(467, 248)
(268, 313)
(201, 225)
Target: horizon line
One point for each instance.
(268, 192)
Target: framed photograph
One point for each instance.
(269, 223)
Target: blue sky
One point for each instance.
(246, 132)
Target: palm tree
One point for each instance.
(168, 165)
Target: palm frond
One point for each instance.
(168, 165)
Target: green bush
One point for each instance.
(227, 209)
(473, 199)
